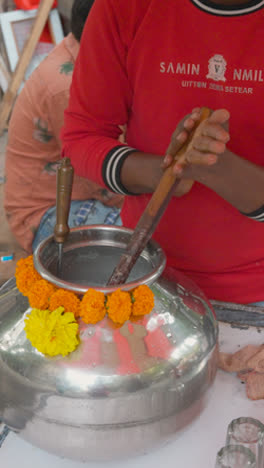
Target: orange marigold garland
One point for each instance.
(143, 300)
(39, 294)
(119, 306)
(24, 263)
(54, 307)
(92, 308)
(26, 276)
(66, 299)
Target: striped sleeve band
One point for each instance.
(112, 166)
(257, 215)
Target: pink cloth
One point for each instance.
(248, 363)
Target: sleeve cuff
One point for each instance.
(257, 215)
(112, 166)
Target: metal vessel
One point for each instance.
(124, 390)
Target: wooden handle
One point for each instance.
(152, 214)
(63, 201)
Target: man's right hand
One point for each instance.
(179, 137)
(207, 144)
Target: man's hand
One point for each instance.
(208, 143)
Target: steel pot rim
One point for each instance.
(147, 279)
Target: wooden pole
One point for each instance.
(24, 60)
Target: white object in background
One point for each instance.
(16, 27)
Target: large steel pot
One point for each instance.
(123, 391)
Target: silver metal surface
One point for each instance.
(90, 255)
(124, 390)
(59, 262)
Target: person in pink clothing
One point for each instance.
(34, 149)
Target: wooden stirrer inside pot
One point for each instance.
(152, 214)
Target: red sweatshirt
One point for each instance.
(151, 63)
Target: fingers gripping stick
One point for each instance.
(152, 214)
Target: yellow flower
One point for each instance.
(52, 333)
(25, 278)
(119, 306)
(39, 294)
(66, 299)
(143, 300)
(92, 308)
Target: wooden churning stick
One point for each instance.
(152, 215)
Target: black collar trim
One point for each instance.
(224, 10)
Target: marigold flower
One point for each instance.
(92, 308)
(52, 333)
(24, 263)
(66, 299)
(39, 294)
(25, 278)
(142, 300)
(119, 306)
